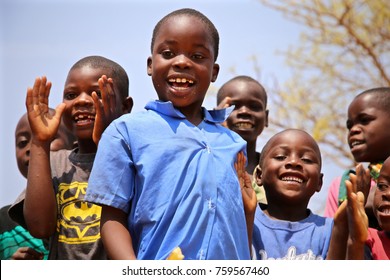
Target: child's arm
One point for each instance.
(248, 195)
(26, 253)
(40, 207)
(115, 235)
(106, 108)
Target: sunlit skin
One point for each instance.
(381, 203)
(249, 117)
(23, 136)
(182, 64)
(79, 113)
(290, 174)
(365, 119)
(90, 103)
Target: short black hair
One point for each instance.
(267, 146)
(194, 13)
(243, 78)
(114, 71)
(381, 96)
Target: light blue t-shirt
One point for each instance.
(176, 181)
(307, 239)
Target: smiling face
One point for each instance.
(79, 114)
(250, 115)
(381, 204)
(368, 133)
(182, 63)
(291, 168)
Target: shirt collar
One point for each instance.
(167, 108)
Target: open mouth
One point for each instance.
(292, 179)
(82, 119)
(181, 83)
(356, 143)
(243, 125)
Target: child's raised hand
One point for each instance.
(362, 180)
(225, 103)
(248, 193)
(357, 217)
(44, 125)
(106, 109)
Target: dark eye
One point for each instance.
(307, 160)
(280, 157)
(365, 120)
(167, 54)
(256, 107)
(70, 95)
(22, 143)
(382, 187)
(197, 56)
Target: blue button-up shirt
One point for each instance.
(176, 181)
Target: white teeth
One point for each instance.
(386, 211)
(181, 80)
(81, 117)
(294, 179)
(355, 143)
(244, 125)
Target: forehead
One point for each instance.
(294, 141)
(188, 25)
(23, 125)
(363, 102)
(85, 73)
(243, 89)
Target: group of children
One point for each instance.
(139, 185)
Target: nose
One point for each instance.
(355, 129)
(84, 99)
(293, 161)
(243, 111)
(182, 61)
(386, 194)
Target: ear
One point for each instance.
(149, 66)
(127, 105)
(258, 175)
(321, 181)
(215, 72)
(266, 118)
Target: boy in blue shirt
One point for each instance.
(290, 171)
(165, 177)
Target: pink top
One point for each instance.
(379, 244)
(332, 201)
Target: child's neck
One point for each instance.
(86, 146)
(292, 214)
(193, 116)
(253, 157)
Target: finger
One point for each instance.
(105, 96)
(35, 92)
(353, 180)
(46, 94)
(98, 104)
(41, 94)
(225, 103)
(111, 91)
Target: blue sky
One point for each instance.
(48, 37)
